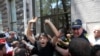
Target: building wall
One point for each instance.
(1, 27)
(4, 13)
(19, 15)
(88, 11)
(12, 14)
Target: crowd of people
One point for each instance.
(74, 43)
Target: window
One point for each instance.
(57, 10)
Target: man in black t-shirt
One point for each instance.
(43, 47)
(44, 44)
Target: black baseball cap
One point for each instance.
(77, 23)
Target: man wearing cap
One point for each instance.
(78, 30)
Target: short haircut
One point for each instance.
(95, 49)
(20, 52)
(79, 47)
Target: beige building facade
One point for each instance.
(88, 11)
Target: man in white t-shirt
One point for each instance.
(95, 37)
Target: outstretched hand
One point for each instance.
(33, 20)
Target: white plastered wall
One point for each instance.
(88, 11)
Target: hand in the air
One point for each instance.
(47, 21)
(33, 20)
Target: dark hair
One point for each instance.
(20, 52)
(95, 49)
(1, 46)
(25, 38)
(2, 35)
(22, 45)
(43, 34)
(79, 47)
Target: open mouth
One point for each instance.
(42, 43)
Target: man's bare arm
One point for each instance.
(54, 29)
(29, 34)
(62, 51)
